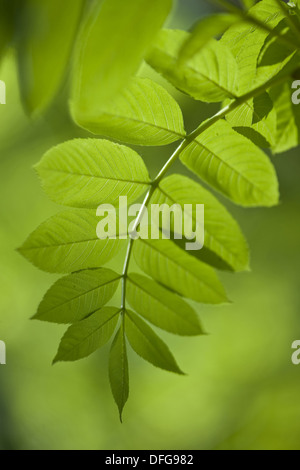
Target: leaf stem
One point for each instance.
(174, 157)
(219, 115)
(130, 244)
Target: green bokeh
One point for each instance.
(241, 391)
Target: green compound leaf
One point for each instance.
(179, 271)
(210, 76)
(84, 338)
(223, 235)
(118, 370)
(143, 113)
(113, 42)
(74, 297)
(250, 69)
(85, 173)
(161, 307)
(47, 32)
(206, 29)
(68, 242)
(233, 165)
(148, 345)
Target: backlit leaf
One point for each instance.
(179, 271)
(288, 118)
(233, 165)
(223, 236)
(85, 173)
(68, 242)
(118, 370)
(143, 114)
(115, 37)
(74, 297)
(161, 307)
(148, 345)
(246, 41)
(256, 120)
(85, 337)
(206, 29)
(47, 31)
(210, 76)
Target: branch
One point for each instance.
(185, 142)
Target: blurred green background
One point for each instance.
(241, 391)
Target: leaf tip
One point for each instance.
(225, 300)
(121, 416)
(56, 360)
(178, 371)
(21, 251)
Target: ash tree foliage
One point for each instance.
(248, 70)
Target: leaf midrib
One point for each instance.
(110, 178)
(41, 247)
(91, 334)
(209, 79)
(78, 296)
(155, 126)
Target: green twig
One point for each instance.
(185, 142)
